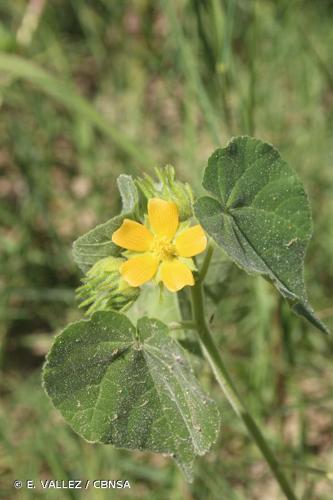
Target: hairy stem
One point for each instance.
(224, 380)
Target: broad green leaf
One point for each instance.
(260, 216)
(130, 388)
(96, 244)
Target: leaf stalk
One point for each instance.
(205, 265)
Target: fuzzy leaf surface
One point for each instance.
(259, 214)
(96, 244)
(132, 388)
(128, 193)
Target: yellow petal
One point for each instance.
(133, 236)
(175, 275)
(138, 270)
(191, 241)
(163, 217)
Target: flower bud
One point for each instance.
(169, 189)
(104, 288)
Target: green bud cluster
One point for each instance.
(167, 188)
(104, 289)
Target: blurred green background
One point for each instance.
(89, 89)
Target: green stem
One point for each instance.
(205, 264)
(224, 380)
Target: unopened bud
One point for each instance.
(169, 189)
(104, 289)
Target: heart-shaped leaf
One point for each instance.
(130, 388)
(260, 216)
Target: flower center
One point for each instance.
(162, 248)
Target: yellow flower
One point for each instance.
(160, 249)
